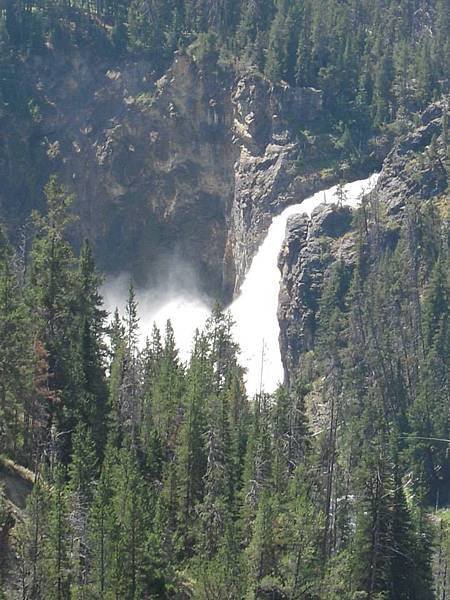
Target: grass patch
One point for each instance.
(6, 464)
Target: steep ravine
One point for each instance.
(177, 178)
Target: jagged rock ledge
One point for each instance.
(415, 168)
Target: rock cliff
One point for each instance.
(147, 159)
(187, 167)
(415, 168)
(190, 167)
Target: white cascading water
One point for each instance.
(254, 311)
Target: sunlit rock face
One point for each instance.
(410, 170)
(265, 175)
(313, 243)
(190, 165)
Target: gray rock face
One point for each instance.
(189, 167)
(265, 178)
(148, 161)
(415, 168)
(310, 248)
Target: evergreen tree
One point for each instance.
(191, 451)
(59, 541)
(31, 539)
(94, 408)
(16, 359)
(167, 391)
(217, 480)
(51, 294)
(101, 527)
(261, 552)
(128, 562)
(277, 51)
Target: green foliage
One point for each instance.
(204, 49)
(16, 356)
(156, 478)
(375, 62)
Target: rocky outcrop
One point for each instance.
(188, 167)
(311, 246)
(264, 173)
(415, 168)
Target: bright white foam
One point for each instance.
(186, 311)
(186, 315)
(255, 310)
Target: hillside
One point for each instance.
(180, 146)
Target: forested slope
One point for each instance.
(379, 58)
(158, 479)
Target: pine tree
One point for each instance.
(261, 552)
(424, 70)
(50, 294)
(94, 408)
(16, 359)
(404, 559)
(371, 555)
(131, 522)
(276, 67)
(382, 89)
(224, 349)
(115, 383)
(150, 360)
(191, 451)
(435, 306)
(258, 463)
(83, 466)
(31, 541)
(239, 416)
(130, 385)
(82, 473)
(301, 529)
(101, 527)
(217, 480)
(167, 391)
(59, 541)
(223, 575)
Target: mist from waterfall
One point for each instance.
(254, 311)
(171, 299)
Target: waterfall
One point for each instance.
(255, 310)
